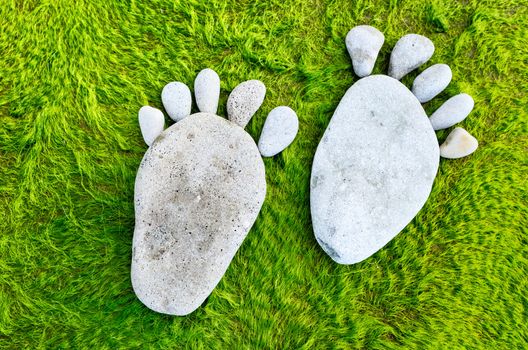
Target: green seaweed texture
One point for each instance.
(73, 75)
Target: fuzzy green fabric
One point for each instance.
(73, 76)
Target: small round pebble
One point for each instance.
(452, 111)
(363, 44)
(279, 131)
(151, 123)
(409, 53)
(207, 90)
(458, 144)
(431, 82)
(176, 98)
(245, 99)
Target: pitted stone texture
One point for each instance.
(453, 111)
(363, 44)
(207, 90)
(176, 98)
(244, 101)
(409, 53)
(198, 191)
(373, 169)
(459, 143)
(279, 131)
(151, 122)
(431, 82)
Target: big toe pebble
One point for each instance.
(207, 90)
(453, 111)
(431, 82)
(458, 144)
(409, 53)
(176, 98)
(151, 123)
(245, 99)
(279, 131)
(363, 44)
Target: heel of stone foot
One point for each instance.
(363, 44)
(279, 131)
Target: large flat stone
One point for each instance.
(198, 191)
(373, 169)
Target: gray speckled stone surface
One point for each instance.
(409, 53)
(151, 122)
(373, 169)
(198, 191)
(207, 90)
(177, 100)
(363, 44)
(279, 131)
(245, 99)
(453, 111)
(459, 143)
(431, 82)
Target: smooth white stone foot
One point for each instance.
(373, 169)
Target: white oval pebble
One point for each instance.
(431, 82)
(280, 129)
(151, 123)
(207, 90)
(363, 44)
(373, 169)
(198, 191)
(409, 53)
(458, 144)
(245, 99)
(176, 98)
(452, 111)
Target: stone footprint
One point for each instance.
(199, 189)
(375, 165)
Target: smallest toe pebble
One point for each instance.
(280, 129)
(431, 82)
(453, 111)
(176, 98)
(207, 90)
(151, 122)
(458, 144)
(363, 44)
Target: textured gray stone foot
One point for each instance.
(198, 190)
(376, 163)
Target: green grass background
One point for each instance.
(73, 75)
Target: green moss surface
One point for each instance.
(73, 75)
